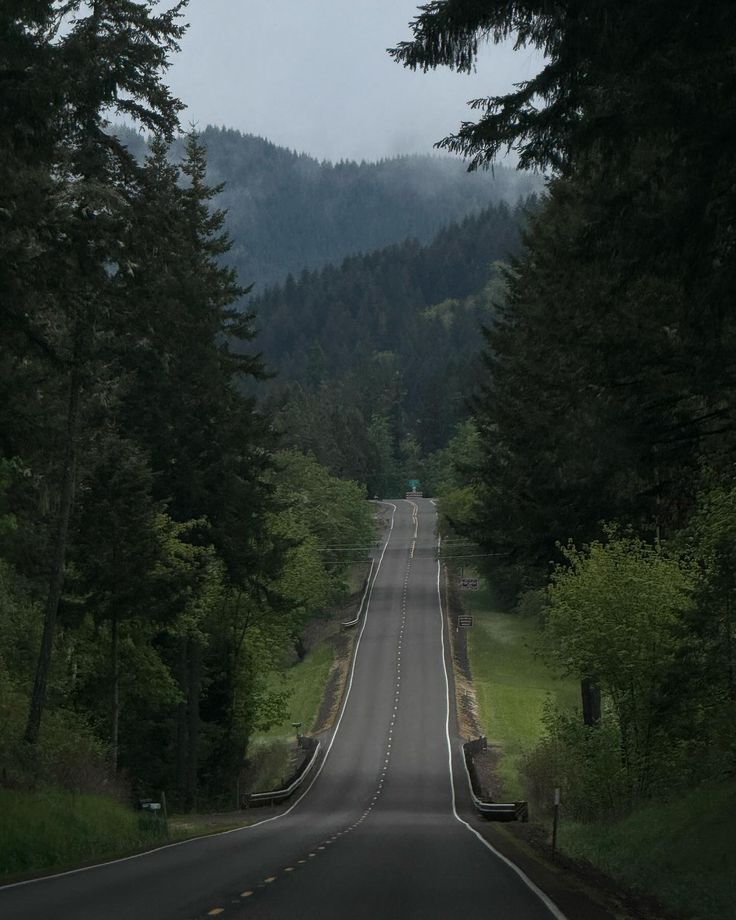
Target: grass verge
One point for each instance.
(682, 851)
(54, 829)
(304, 682)
(271, 752)
(512, 683)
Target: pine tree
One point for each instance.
(124, 48)
(608, 377)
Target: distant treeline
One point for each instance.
(376, 357)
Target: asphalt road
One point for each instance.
(376, 837)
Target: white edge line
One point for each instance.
(354, 621)
(238, 830)
(545, 899)
(284, 793)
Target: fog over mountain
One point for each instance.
(288, 211)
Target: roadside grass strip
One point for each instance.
(512, 683)
(54, 829)
(681, 851)
(304, 682)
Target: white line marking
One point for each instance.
(545, 899)
(239, 830)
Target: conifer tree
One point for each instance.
(608, 377)
(123, 47)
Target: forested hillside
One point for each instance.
(376, 357)
(287, 211)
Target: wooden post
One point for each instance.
(165, 812)
(591, 696)
(555, 820)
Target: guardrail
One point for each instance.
(279, 795)
(493, 811)
(355, 621)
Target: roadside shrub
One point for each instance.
(583, 761)
(67, 755)
(617, 615)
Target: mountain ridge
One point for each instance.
(289, 211)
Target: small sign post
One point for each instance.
(555, 820)
(468, 584)
(464, 621)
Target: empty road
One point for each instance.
(375, 837)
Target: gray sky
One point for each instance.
(313, 75)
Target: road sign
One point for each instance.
(464, 621)
(414, 485)
(150, 806)
(468, 584)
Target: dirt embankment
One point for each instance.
(468, 719)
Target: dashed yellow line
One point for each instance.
(271, 878)
(246, 894)
(215, 911)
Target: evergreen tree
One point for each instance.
(608, 375)
(123, 47)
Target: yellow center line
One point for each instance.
(271, 878)
(215, 911)
(246, 894)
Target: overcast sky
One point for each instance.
(313, 75)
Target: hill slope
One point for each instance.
(375, 357)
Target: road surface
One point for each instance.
(376, 837)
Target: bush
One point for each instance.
(583, 761)
(68, 754)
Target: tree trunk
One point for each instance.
(195, 680)
(115, 712)
(58, 562)
(181, 721)
(728, 637)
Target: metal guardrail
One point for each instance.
(493, 811)
(356, 620)
(279, 795)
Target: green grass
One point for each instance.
(54, 829)
(511, 683)
(305, 683)
(682, 852)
